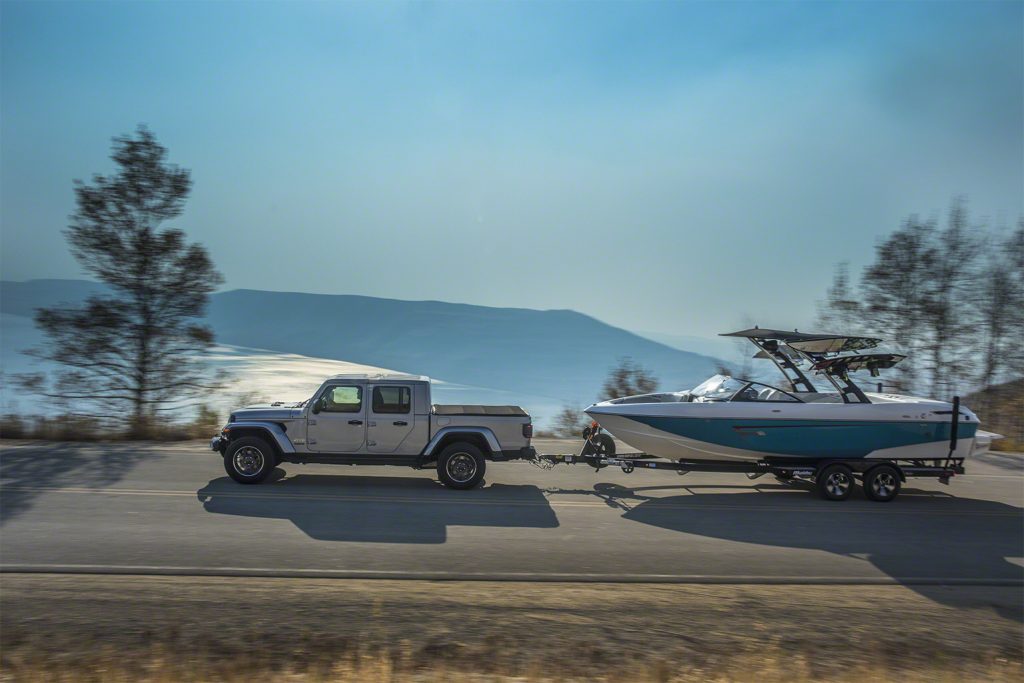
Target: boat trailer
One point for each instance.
(834, 478)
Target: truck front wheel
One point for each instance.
(249, 460)
(461, 466)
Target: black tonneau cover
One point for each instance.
(510, 411)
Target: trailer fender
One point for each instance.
(446, 434)
(272, 430)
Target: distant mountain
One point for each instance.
(557, 353)
(717, 347)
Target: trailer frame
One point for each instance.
(808, 469)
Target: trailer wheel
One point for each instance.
(249, 460)
(835, 482)
(882, 483)
(461, 466)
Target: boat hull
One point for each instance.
(758, 438)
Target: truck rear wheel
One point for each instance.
(249, 460)
(461, 466)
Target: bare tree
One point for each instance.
(891, 289)
(628, 379)
(136, 350)
(999, 291)
(947, 304)
(570, 422)
(1013, 262)
(929, 291)
(841, 313)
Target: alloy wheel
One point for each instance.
(248, 461)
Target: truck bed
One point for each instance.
(488, 411)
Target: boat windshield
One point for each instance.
(724, 388)
(717, 388)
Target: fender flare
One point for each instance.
(487, 434)
(271, 429)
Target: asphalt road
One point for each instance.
(171, 509)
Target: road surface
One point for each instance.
(171, 509)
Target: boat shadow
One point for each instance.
(373, 509)
(926, 540)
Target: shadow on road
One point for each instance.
(27, 470)
(378, 509)
(924, 535)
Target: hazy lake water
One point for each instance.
(254, 375)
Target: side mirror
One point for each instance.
(317, 406)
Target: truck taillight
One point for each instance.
(528, 430)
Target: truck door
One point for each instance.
(391, 419)
(340, 424)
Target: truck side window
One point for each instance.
(391, 400)
(343, 400)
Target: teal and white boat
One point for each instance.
(738, 419)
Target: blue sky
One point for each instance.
(669, 167)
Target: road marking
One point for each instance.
(624, 504)
(590, 577)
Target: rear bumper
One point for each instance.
(524, 453)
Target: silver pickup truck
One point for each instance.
(379, 419)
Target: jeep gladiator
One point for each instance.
(374, 419)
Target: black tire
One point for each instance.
(882, 483)
(835, 482)
(249, 460)
(461, 466)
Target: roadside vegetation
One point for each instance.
(69, 427)
(948, 295)
(1001, 410)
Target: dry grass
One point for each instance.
(772, 666)
(1008, 445)
(161, 629)
(1001, 410)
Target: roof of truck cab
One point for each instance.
(380, 377)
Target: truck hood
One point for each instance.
(267, 412)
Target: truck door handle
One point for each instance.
(355, 422)
(400, 423)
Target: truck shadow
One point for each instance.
(926, 540)
(378, 509)
(27, 471)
